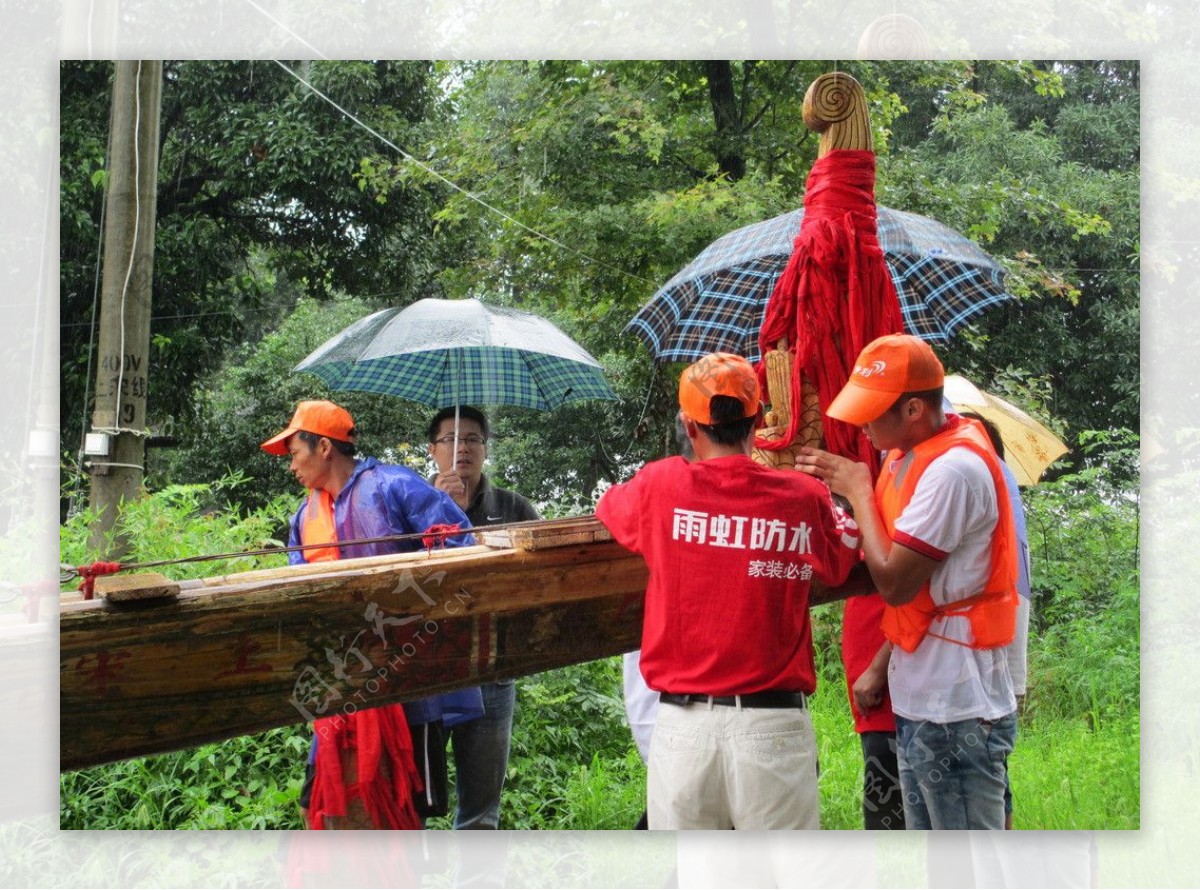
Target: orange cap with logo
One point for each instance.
(886, 368)
(718, 374)
(320, 417)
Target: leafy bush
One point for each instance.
(249, 782)
(1085, 624)
(185, 521)
(573, 762)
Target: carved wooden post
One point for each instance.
(835, 106)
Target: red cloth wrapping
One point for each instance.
(436, 534)
(89, 574)
(835, 295)
(387, 774)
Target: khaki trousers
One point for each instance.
(726, 767)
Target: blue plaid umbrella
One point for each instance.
(454, 352)
(716, 302)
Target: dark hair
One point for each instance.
(311, 440)
(465, 412)
(730, 426)
(990, 428)
(931, 397)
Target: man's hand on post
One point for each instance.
(849, 478)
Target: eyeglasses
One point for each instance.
(472, 440)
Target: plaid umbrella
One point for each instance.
(453, 352)
(716, 302)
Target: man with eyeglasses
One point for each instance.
(480, 747)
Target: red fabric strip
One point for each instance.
(386, 776)
(835, 295)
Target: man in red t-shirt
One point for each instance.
(732, 549)
(865, 658)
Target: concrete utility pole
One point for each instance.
(116, 443)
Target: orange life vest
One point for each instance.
(992, 611)
(318, 527)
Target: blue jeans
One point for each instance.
(481, 757)
(952, 774)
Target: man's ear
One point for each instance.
(689, 426)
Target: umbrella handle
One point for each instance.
(457, 371)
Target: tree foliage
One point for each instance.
(578, 189)
(633, 167)
(258, 203)
(1046, 179)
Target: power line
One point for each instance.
(458, 188)
(240, 313)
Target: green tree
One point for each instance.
(1040, 165)
(610, 176)
(254, 395)
(581, 187)
(628, 169)
(257, 204)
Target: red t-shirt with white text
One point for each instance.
(732, 547)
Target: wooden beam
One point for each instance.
(244, 653)
(237, 654)
(836, 107)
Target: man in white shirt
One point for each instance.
(942, 553)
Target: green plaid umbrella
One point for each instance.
(456, 352)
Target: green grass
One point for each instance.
(1068, 776)
(1065, 775)
(839, 757)
(574, 766)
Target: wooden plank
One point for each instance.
(144, 586)
(241, 653)
(540, 535)
(248, 652)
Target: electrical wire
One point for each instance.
(430, 538)
(458, 188)
(73, 507)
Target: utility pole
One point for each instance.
(116, 443)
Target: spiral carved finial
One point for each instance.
(836, 107)
(894, 36)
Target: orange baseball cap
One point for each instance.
(322, 418)
(718, 374)
(886, 368)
